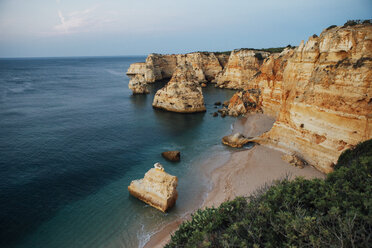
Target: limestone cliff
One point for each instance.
(206, 66)
(321, 93)
(242, 66)
(182, 94)
(159, 67)
(327, 96)
(157, 189)
(264, 91)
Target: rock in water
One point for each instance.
(235, 140)
(137, 82)
(137, 85)
(157, 188)
(173, 156)
(182, 94)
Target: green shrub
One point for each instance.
(330, 27)
(335, 212)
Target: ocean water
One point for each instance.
(72, 137)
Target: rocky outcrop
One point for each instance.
(320, 92)
(245, 101)
(160, 67)
(235, 140)
(157, 188)
(324, 93)
(266, 86)
(173, 156)
(182, 94)
(205, 66)
(137, 82)
(138, 85)
(242, 66)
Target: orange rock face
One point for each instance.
(321, 93)
(157, 188)
(242, 67)
(182, 94)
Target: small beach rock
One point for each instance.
(223, 115)
(173, 156)
(157, 188)
(217, 103)
(294, 160)
(203, 85)
(215, 114)
(235, 140)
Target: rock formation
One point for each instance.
(157, 188)
(245, 101)
(137, 82)
(235, 140)
(326, 96)
(160, 67)
(205, 66)
(173, 156)
(182, 94)
(242, 66)
(321, 94)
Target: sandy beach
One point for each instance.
(244, 173)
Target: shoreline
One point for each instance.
(244, 173)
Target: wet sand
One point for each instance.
(244, 173)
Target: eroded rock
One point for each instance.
(182, 94)
(173, 156)
(157, 188)
(235, 140)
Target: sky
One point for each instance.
(53, 28)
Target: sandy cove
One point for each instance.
(244, 173)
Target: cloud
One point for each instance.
(79, 21)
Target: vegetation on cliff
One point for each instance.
(335, 212)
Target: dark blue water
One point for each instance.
(72, 137)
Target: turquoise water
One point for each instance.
(72, 137)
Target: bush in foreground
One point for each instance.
(335, 212)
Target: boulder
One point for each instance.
(235, 140)
(173, 156)
(157, 188)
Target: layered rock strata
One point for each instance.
(242, 66)
(206, 66)
(267, 83)
(157, 188)
(182, 94)
(324, 96)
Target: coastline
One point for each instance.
(244, 173)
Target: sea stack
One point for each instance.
(157, 188)
(137, 82)
(182, 94)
